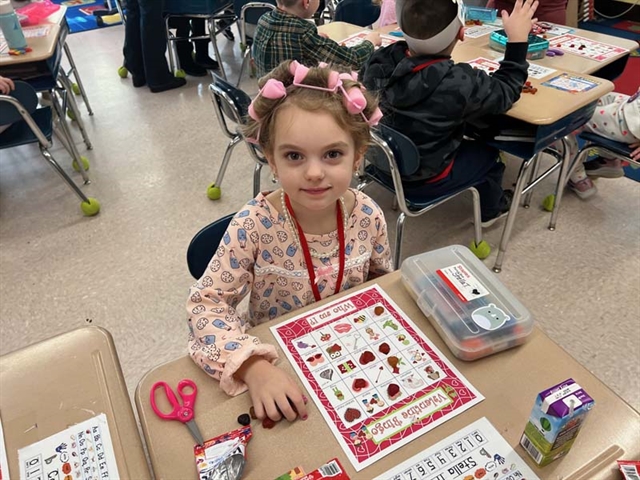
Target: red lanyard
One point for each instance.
(307, 254)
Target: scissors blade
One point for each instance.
(195, 432)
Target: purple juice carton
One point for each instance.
(555, 421)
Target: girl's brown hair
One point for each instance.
(310, 100)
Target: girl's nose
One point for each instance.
(315, 170)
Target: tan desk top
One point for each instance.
(510, 382)
(567, 62)
(41, 47)
(547, 106)
(63, 381)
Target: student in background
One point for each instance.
(429, 98)
(309, 239)
(145, 43)
(287, 34)
(617, 118)
(554, 11)
(198, 64)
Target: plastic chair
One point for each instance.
(249, 14)
(232, 104)
(604, 146)
(29, 124)
(357, 12)
(397, 154)
(204, 244)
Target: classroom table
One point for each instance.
(609, 68)
(42, 69)
(62, 381)
(509, 380)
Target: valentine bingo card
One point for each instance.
(81, 452)
(358, 38)
(490, 66)
(586, 48)
(477, 451)
(376, 379)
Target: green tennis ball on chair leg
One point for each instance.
(123, 72)
(90, 208)
(481, 250)
(214, 192)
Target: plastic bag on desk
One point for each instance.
(36, 12)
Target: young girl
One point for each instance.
(292, 247)
(617, 117)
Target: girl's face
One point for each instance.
(313, 158)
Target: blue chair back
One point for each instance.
(404, 151)
(232, 101)
(26, 95)
(357, 12)
(621, 149)
(252, 13)
(204, 244)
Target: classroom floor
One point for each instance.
(153, 157)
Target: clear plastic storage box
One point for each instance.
(470, 308)
(537, 48)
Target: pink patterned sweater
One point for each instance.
(257, 257)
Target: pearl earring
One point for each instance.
(274, 178)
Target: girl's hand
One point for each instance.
(519, 23)
(635, 153)
(273, 392)
(6, 85)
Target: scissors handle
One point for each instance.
(184, 412)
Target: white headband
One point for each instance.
(438, 42)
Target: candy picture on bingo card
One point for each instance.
(375, 377)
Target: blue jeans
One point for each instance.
(145, 42)
(476, 163)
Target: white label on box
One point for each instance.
(464, 285)
(555, 396)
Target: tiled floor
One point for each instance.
(153, 157)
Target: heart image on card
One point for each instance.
(327, 374)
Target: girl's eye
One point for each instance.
(334, 154)
(293, 156)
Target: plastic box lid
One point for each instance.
(537, 45)
(471, 309)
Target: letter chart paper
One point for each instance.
(81, 452)
(375, 377)
(476, 452)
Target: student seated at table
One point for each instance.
(307, 240)
(429, 98)
(617, 118)
(287, 34)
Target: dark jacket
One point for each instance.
(429, 98)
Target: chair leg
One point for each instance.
(477, 217)
(534, 174)
(256, 178)
(65, 137)
(68, 96)
(245, 56)
(225, 159)
(568, 165)
(52, 161)
(394, 205)
(214, 44)
(511, 217)
(399, 231)
(171, 43)
(76, 75)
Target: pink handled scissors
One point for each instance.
(183, 413)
